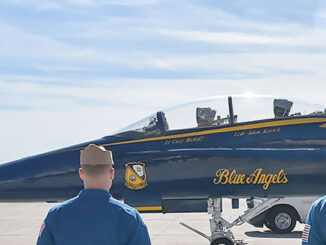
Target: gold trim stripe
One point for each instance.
(221, 130)
(150, 208)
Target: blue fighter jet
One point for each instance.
(186, 158)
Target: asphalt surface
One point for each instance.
(20, 224)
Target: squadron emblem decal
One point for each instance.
(135, 175)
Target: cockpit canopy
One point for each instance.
(222, 110)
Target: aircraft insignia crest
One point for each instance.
(135, 175)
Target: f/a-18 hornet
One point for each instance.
(187, 158)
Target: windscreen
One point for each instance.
(214, 111)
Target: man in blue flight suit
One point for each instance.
(94, 217)
(314, 232)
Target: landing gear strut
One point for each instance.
(220, 228)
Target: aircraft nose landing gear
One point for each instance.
(220, 228)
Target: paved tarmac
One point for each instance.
(20, 223)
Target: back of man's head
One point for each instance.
(96, 162)
(95, 159)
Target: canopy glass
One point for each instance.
(215, 111)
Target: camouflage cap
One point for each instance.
(94, 155)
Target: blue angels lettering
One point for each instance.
(258, 177)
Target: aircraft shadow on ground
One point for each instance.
(269, 234)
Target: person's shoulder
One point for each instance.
(56, 211)
(319, 205)
(123, 208)
(60, 206)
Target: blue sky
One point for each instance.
(76, 70)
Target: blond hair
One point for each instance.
(96, 170)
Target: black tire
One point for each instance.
(222, 240)
(281, 219)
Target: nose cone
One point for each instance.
(45, 177)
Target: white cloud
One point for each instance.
(263, 64)
(315, 38)
(43, 5)
(82, 2)
(128, 2)
(63, 5)
(223, 37)
(24, 45)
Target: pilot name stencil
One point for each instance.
(253, 132)
(135, 176)
(184, 140)
(258, 177)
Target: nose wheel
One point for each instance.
(222, 240)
